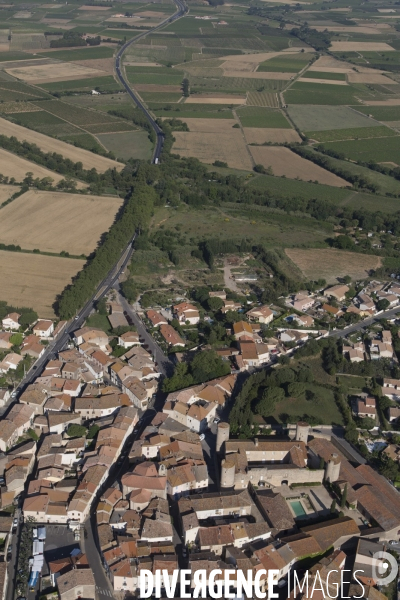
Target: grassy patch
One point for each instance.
(99, 321)
(191, 112)
(161, 97)
(378, 149)
(76, 114)
(128, 145)
(84, 140)
(353, 382)
(322, 407)
(350, 134)
(292, 188)
(257, 116)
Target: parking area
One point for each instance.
(60, 542)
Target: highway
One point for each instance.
(181, 10)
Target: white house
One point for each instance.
(43, 328)
(10, 321)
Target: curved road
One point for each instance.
(181, 10)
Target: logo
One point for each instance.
(384, 568)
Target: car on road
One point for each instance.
(76, 318)
(393, 542)
(15, 522)
(202, 437)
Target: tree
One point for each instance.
(321, 463)
(76, 430)
(382, 304)
(271, 396)
(346, 279)
(208, 365)
(101, 307)
(344, 497)
(93, 431)
(333, 507)
(284, 375)
(215, 304)
(295, 389)
(16, 339)
(27, 318)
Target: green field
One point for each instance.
(322, 75)
(128, 145)
(196, 111)
(378, 149)
(320, 118)
(114, 127)
(161, 97)
(323, 407)
(381, 113)
(76, 115)
(155, 78)
(81, 54)
(255, 116)
(350, 134)
(306, 93)
(282, 64)
(385, 183)
(84, 140)
(8, 56)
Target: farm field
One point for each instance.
(17, 167)
(350, 134)
(329, 264)
(35, 280)
(327, 118)
(80, 54)
(381, 113)
(256, 135)
(284, 162)
(286, 64)
(254, 116)
(6, 191)
(385, 149)
(48, 144)
(128, 145)
(304, 93)
(227, 147)
(55, 71)
(55, 221)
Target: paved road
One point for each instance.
(387, 314)
(163, 362)
(181, 10)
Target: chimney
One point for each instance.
(256, 442)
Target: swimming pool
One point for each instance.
(297, 508)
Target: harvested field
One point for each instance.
(338, 29)
(330, 264)
(368, 78)
(6, 191)
(17, 167)
(328, 63)
(55, 71)
(219, 100)
(227, 147)
(360, 47)
(35, 280)
(256, 135)
(48, 144)
(128, 144)
(208, 125)
(251, 58)
(329, 81)
(98, 64)
(56, 221)
(284, 162)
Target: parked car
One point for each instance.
(216, 420)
